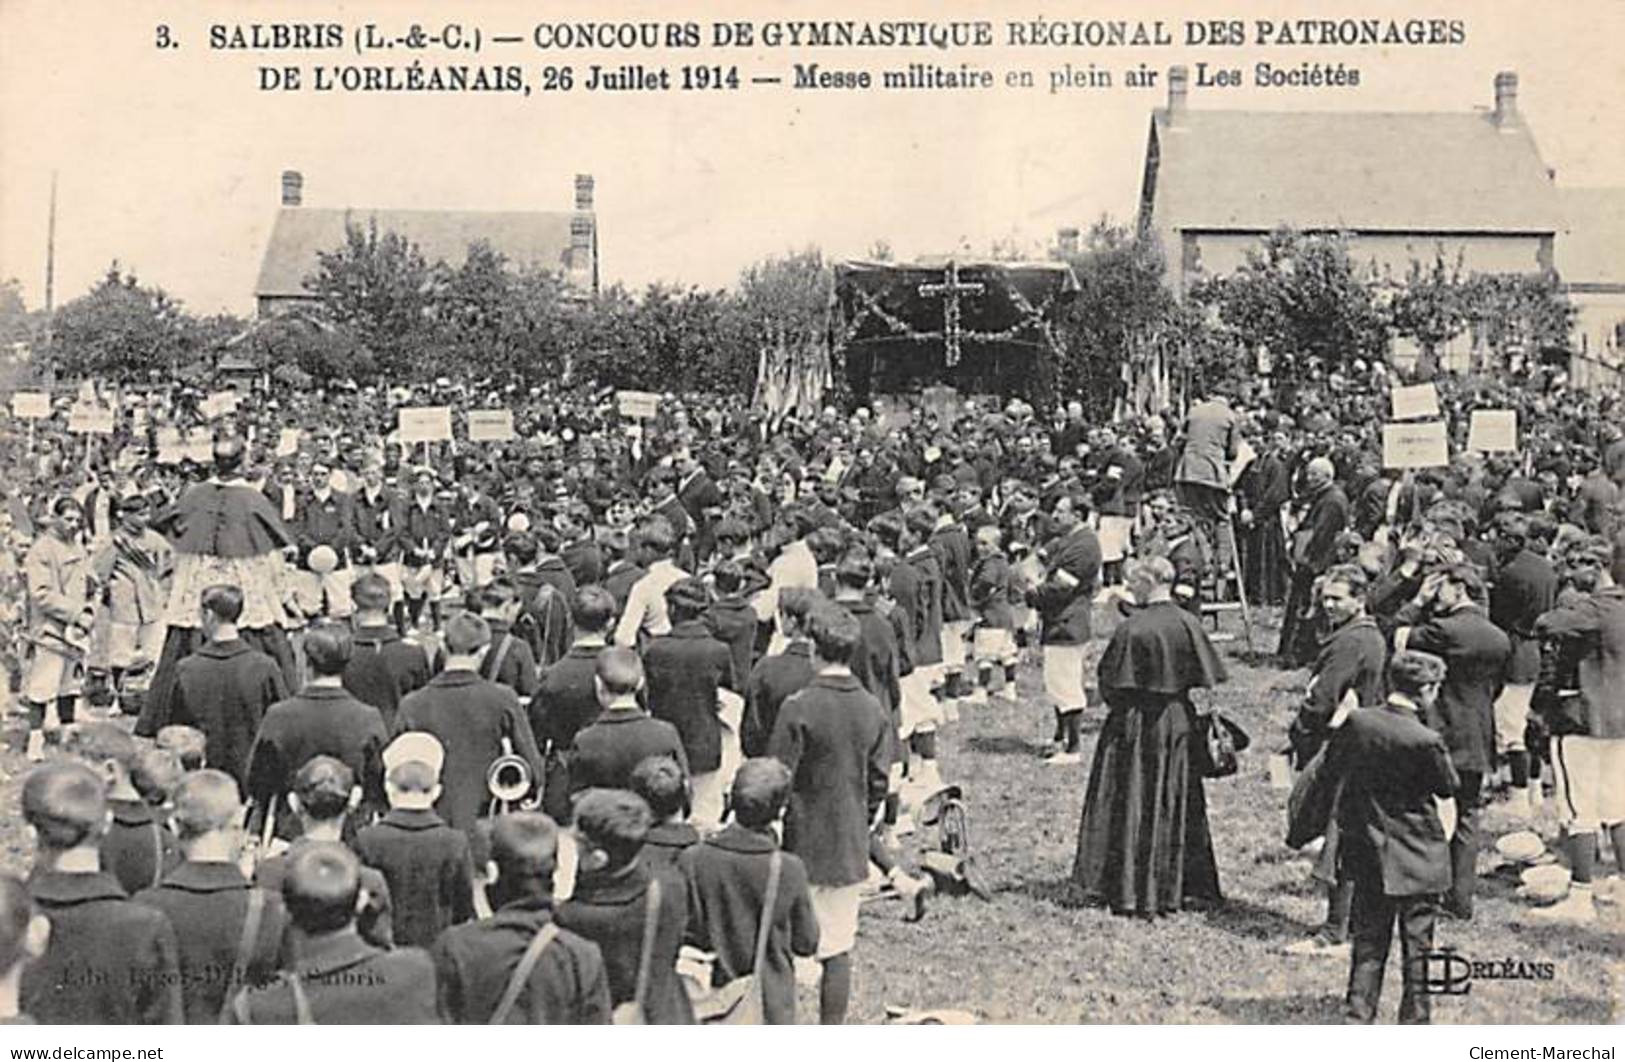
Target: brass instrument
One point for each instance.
(509, 779)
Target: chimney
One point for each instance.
(1067, 240)
(584, 191)
(1506, 99)
(580, 236)
(1179, 82)
(293, 188)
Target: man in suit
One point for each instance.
(1447, 621)
(475, 962)
(687, 669)
(338, 978)
(776, 677)
(834, 739)
(1211, 440)
(1394, 771)
(566, 700)
(323, 719)
(379, 516)
(476, 721)
(1314, 545)
(604, 755)
(326, 518)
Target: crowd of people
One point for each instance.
(622, 719)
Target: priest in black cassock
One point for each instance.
(1144, 847)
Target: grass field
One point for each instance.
(1029, 957)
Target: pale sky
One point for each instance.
(169, 161)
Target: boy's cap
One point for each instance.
(414, 746)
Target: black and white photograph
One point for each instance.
(536, 512)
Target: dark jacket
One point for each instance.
(510, 663)
(368, 678)
(406, 661)
(109, 961)
(209, 901)
(684, 670)
(605, 753)
(223, 689)
(1597, 624)
(427, 866)
(1391, 767)
(952, 546)
(1352, 657)
(1314, 543)
(325, 522)
(138, 850)
(727, 886)
(1475, 655)
(875, 659)
(608, 909)
(470, 716)
(566, 698)
(319, 721)
(732, 621)
(665, 842)
(772, 680)
(916, 584)
(475, 961)
(378, 523)
(990, 592)
(1066, 607)
(348, 982)
(833, 737)
(1525, 587)
(619, 579)
(585, 561)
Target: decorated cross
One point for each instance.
(950, 291)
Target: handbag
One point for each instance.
(741, 1001)
(632, 1011)
(1220, 740)
(521, 973)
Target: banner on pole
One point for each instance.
(1414, 403)
(31, 405)
(490, 425)
(1493, 431)
(640, 405)
(90, 420)
(1415, 445)
(422, 424)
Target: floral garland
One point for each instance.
(1034, 317)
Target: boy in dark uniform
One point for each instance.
(475, 962)
(338, 979)
(660, 783)
(225, 925)
(612, 903)
(727, 892)
(778, 676)
(324, 793)
(605, 754)
(111, 961)
(509, 661)
(425, 861)
(137, 849)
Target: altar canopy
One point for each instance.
(979, 327)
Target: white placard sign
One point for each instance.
(31, 405)
(1413, 403)
(1415, 445)
(640, 405)
(90, 420)
(421, 424)
(287, 442)
(219, 404)
(490, 425)
(1493, 431)
(169, 446)
(198, 447)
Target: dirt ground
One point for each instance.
(1030, 957)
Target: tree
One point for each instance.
(1122, 311)
(381, 287)
(1300, 297)
(1432, 308)
(1519, 314)
(122, 329)
(781, 315)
